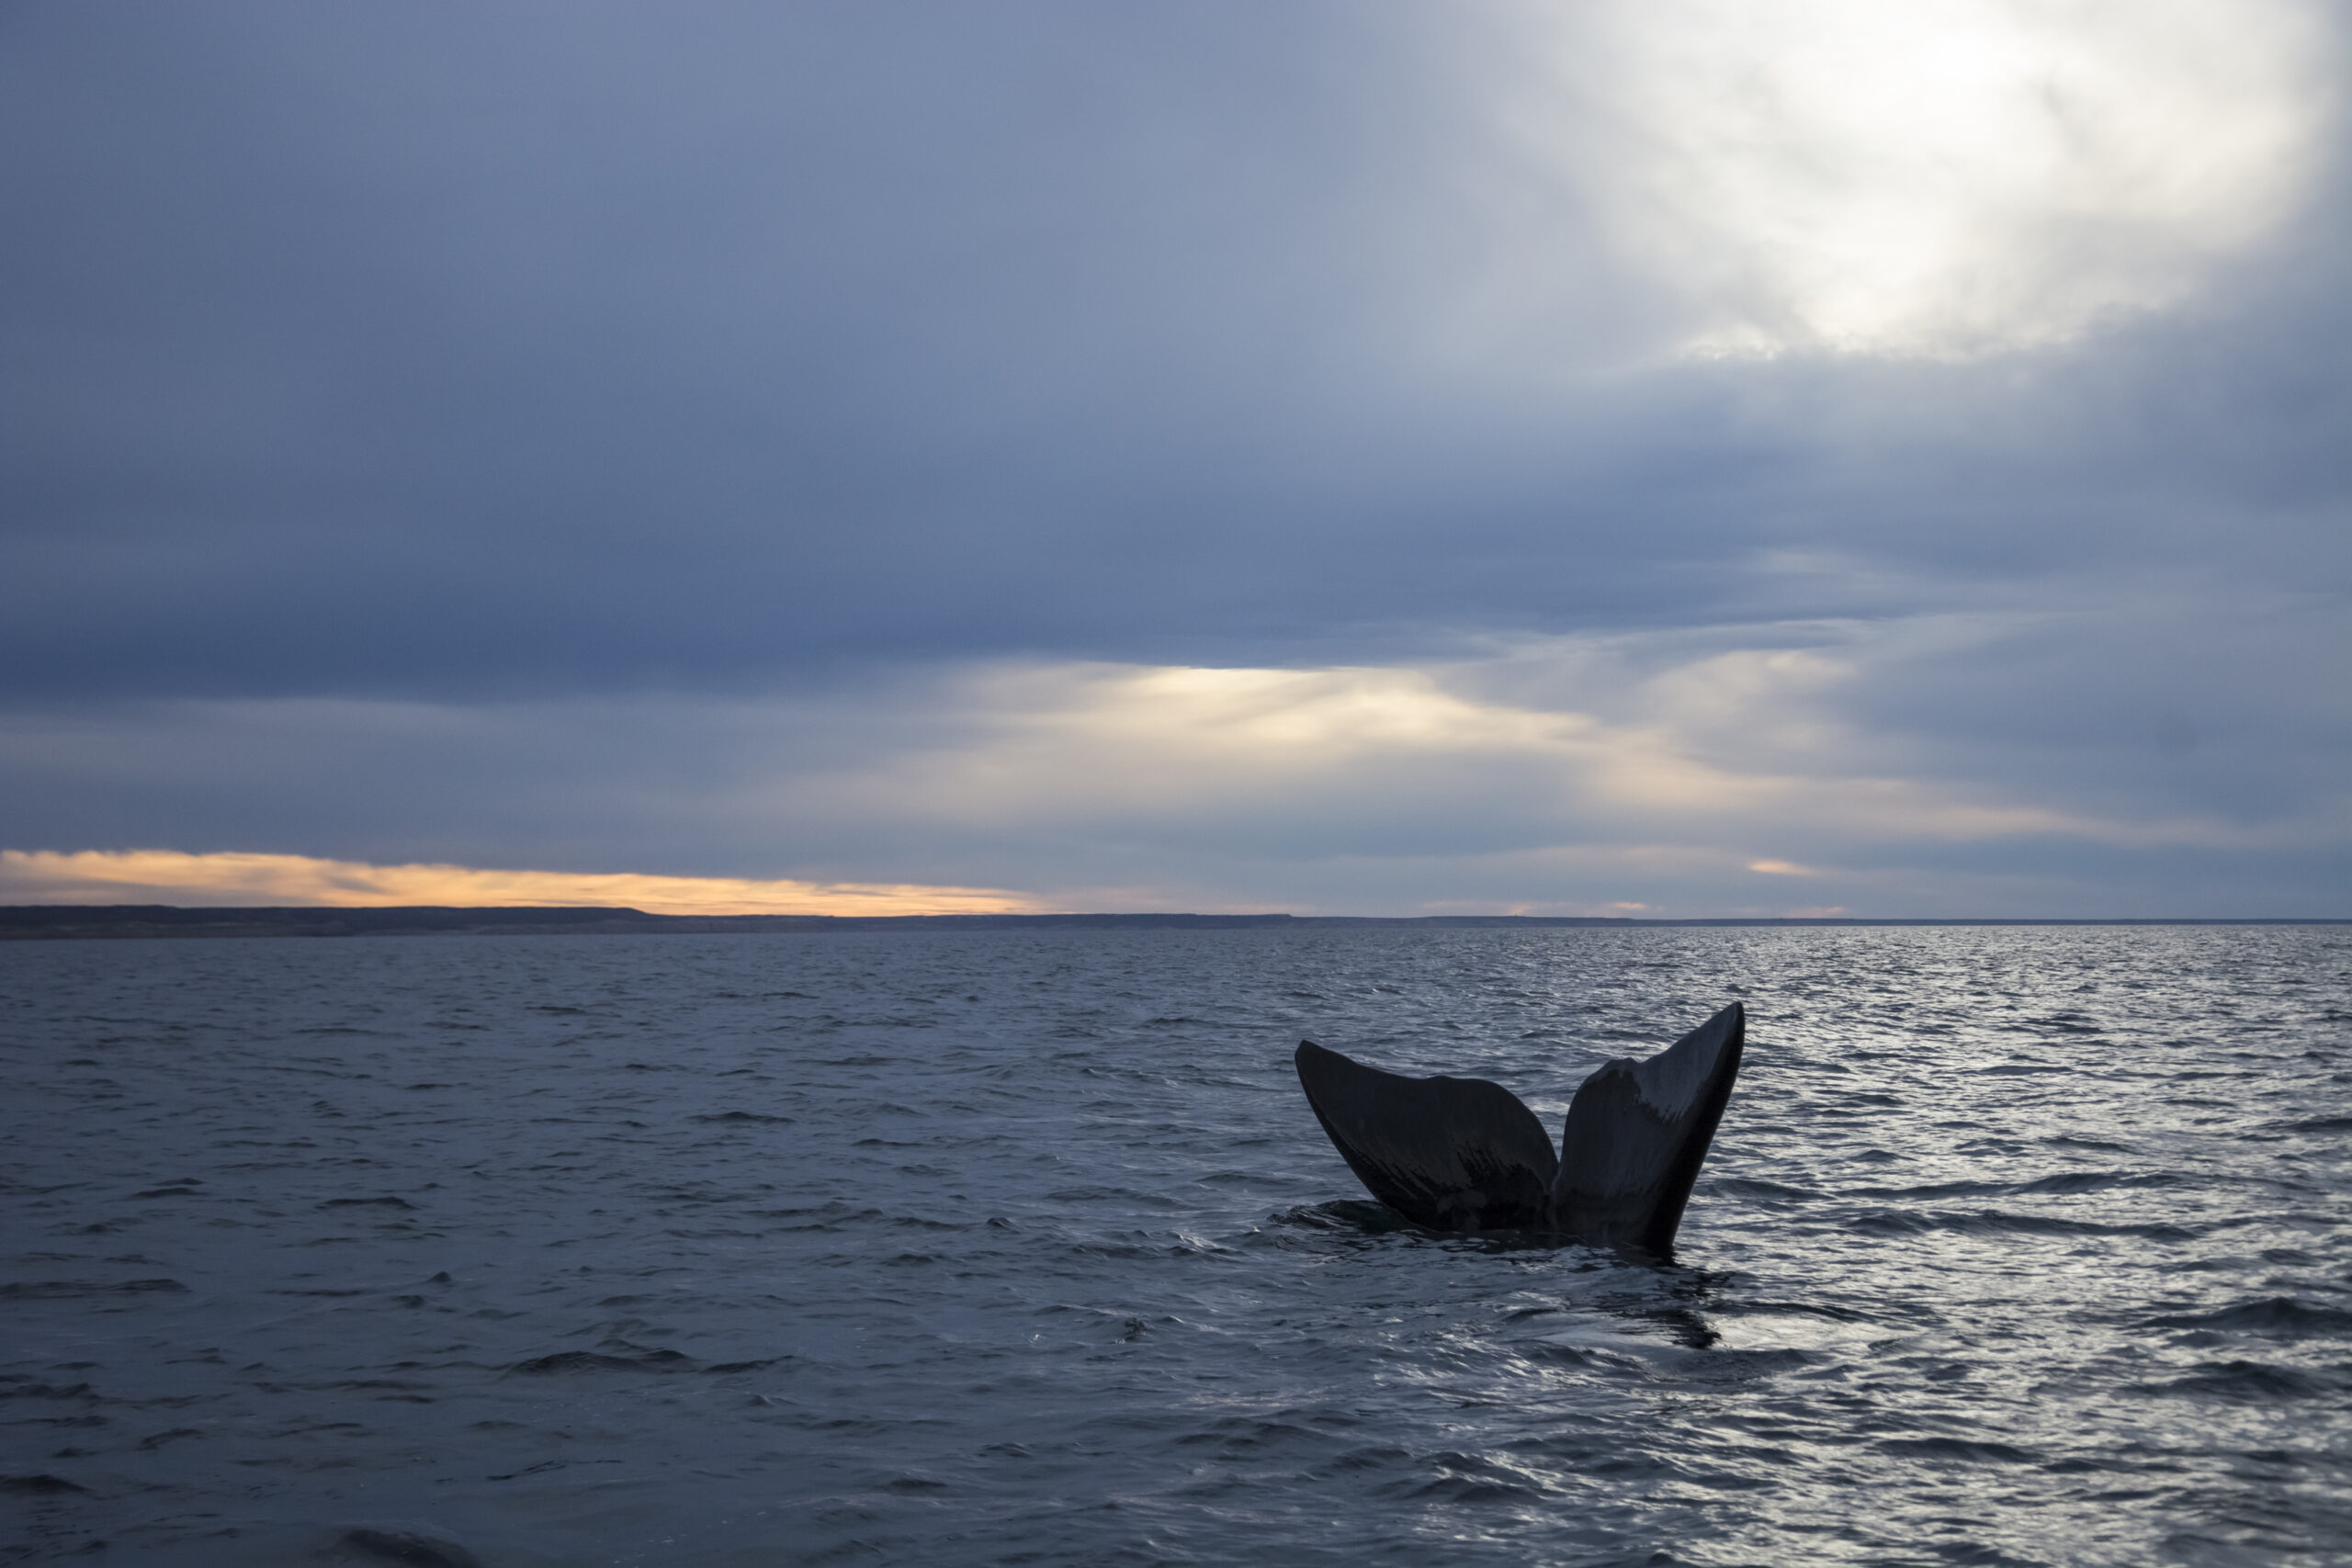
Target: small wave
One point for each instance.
(1749, 1187)
(43, 1484)
(1248, 1434)
(570, 1362)
(151, 1443)
(343, 1385)
(1354, 1214)
(1936, 1189)
(1467, 1478)
(830, 1217)
(1992, 1222)
(1829, 1310)
(1473, 1489)
(69, 1289)
(2276, 1318)
(1379, 1457)
(2248, 1382)
(1959, 1449)
(1565, 1353)
(2098, 1181)
(410, 1546)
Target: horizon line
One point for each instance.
(95, 920)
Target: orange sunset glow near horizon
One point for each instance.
(96, 877)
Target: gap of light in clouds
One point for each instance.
(1947, 178)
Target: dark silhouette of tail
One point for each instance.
(1466, 1154)
(1452, 1153)
(1637, 1132)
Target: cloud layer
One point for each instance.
(1347, 457)
(2031, 763)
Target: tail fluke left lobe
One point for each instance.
(1453, 1153)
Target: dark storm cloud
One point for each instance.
(576, 343)
(444, 351)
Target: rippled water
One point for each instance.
(2018, 1245)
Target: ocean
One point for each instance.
(2018, 1245)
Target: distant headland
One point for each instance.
(84, 922)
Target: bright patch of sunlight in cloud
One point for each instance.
(1097, 745)
(93, 877)
(1942, 179)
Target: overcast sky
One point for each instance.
(1669, 457)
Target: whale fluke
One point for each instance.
(1466, 1154)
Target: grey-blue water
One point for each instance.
(2016, 1246)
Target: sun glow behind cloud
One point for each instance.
(1943, 179)
(250, 880)
(1314, 749)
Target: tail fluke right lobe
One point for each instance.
(1636, 1136)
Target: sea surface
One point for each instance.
(2018, 1245)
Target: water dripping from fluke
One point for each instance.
(1468, 1156)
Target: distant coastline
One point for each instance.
(55, 922)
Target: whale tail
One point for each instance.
(1467, 1155)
